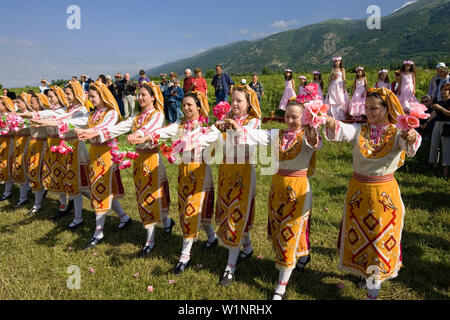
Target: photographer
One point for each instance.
(173, 95)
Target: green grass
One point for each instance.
(34, 252)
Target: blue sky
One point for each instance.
(125, 36)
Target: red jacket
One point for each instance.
(199, 84)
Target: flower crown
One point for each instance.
(383, 71)
(359, 68)
(337, 59)
(408, 62)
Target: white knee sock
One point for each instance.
(8, 188)
(232, 259)
(117, 208)
(247, 245)
(99, 223)
(166, 221)
(62, 202)
(23, 192)
(38, 195)
(150, 235)
(186, 251)
(78, 207)
(283, 279)
(210, 232)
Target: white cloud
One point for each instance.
(346, 19)
(281, 24)
(405, 5)
(15, 42)
(257, 35)
(244, 31)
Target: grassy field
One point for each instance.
(35, 252)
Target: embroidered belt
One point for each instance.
(147, 150)
(38, 139)
(373, 179)
(292, 173)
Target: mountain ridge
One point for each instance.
(313, 46)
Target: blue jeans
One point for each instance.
(120, 103)
(172, 112)
(221, 95)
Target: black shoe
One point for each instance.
(145, 251)
(45, 195)
(244, 256)
(33, 211)
(21, 204)
(73, 225)
(179, 269)
(70, 207)
(301, 265)
(209, 245)
(168, 230)
(122, 225)
(3, 198)
(92, 243)
(227, 279)
(60, 214)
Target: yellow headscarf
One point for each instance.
(77, 91)
(8, 103)
(26, 97)
(394, 106)
(107, 97)
(43, 101)
(60, 94)
(204, 105)
(159, 98)
(254, 102)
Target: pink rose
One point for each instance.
(132, 155)
(150, 288)
(125, 164)
(317, 122)
(418, 110)
(402, 124)
(412, 122)
(54, 149)
(313, 106)
(324, 109)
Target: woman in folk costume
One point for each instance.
(337, 97)
(105, 180)
(6, 149)
(195, 182)
(74, 165)
(236, 193)
(36, 150)
(52, 170)
(290, 196)
(19, 168)
(371, 227)
(149, 172)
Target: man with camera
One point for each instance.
(174, 95)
